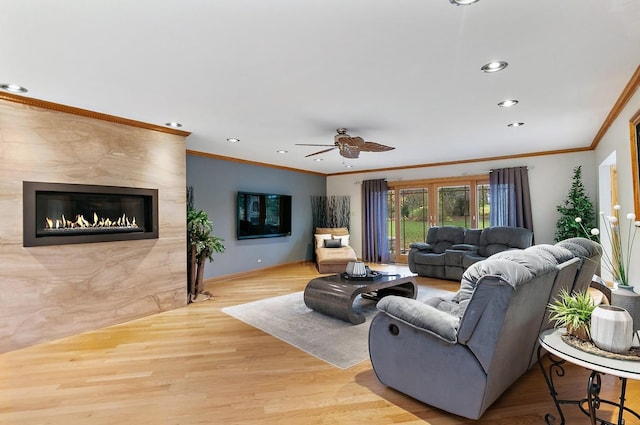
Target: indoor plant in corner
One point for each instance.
(573, 311)
(201, 246)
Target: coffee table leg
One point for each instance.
(332, 305)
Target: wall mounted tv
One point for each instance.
(263, 215)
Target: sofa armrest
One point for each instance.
(466, 247)
(422, 316)
(421, 246)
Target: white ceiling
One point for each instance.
(274, 73)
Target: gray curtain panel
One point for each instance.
(375, 246)
(510, 200)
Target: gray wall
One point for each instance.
(216, 183)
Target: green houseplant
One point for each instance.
(573, 311)
(201, 247)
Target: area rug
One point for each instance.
(336, 342)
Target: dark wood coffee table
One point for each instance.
(334, 295)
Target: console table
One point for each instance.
(561, 352)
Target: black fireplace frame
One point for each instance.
(30, 237)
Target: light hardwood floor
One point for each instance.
(196, 365)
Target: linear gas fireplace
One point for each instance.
(59, 213)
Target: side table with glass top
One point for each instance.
(560, 352)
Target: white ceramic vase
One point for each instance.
(356, 268)
(611, 328)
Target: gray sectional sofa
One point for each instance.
(460, 352)
(450, 250)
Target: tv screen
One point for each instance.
(263, 215)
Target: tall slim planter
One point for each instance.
(628, 299)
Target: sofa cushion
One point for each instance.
(430, 259)
(472, 236)
(442, 238)
(332, 243)
(344, 240)
(422, 316)
(319, 238)
(513, 267)
(341, 255)
(421, 246)
(499, 238)
(559, 253)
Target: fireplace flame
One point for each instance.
(81, 222)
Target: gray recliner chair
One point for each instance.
(460, 353)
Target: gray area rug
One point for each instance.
(339, 343)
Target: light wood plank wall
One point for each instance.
(53, 291)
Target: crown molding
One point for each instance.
(29, 101)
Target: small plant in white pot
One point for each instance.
(573, 311)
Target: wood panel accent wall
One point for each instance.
(53, 291)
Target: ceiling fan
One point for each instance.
(349, 147)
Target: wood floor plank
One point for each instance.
(197, 365)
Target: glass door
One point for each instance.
(414, 208)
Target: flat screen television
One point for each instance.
(263, 215)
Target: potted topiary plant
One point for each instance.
(201, 246)
(573, 311)
(577, 204)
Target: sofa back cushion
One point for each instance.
(472, 236)
(589, 253)
(442, 238)
(499, 238)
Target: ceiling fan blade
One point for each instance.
(374, 147)
(311, 144)
(322, 151)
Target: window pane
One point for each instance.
(453, 206)
(483, 206)
(413, 217)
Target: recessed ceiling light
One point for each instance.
(282, 151)
(494, 66)
(462, 2)
(233, 140)
(318, 159)
(348, 166)
(14, 88)
(515, 124)
(173, 124)
(508, 103)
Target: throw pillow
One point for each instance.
(332, 243)
(344, 240)
(320, 238)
